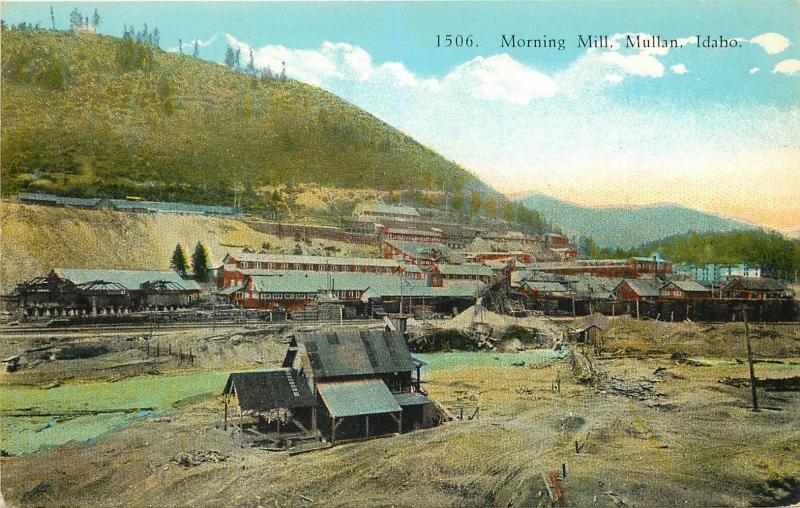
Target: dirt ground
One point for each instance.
(58, 357)
(689, 440)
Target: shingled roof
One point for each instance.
(267, 390)
(132, 280)
(354, 353)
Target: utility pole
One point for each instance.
(743, 308)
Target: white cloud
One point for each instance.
(789, 67)
(773, 43)
(613, 78)
(500, 78)
(641, 64)
(679, 69)
(754, 70)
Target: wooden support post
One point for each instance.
(334, 426)
(750, 359)
(158, 349)
(225, 427)
(366, 426)
(279, 426)
(314, 419)
(563, 471)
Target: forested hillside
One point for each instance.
(85, 114)
(777, 254)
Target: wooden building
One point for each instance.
(275, 405)
(753, 288)
(81, 291)
(636, 289)
(543, 289)
(484, 257)
(236, 266)
(410, 235)
(684, 290)
(442, 273)
(423, 255)
(366, 383)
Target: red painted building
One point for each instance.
(685, 290)
(235, 267)
(632, 268)
(482, 257)
(636, 289)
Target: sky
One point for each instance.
(716, 129)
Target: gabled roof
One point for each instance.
(411, 399)
(754, 284)
(385, 209)
(312, 260)
(687, 286)
(545, 287)
(266, 390)
(415, 232)
(426, 250)
(355, 353)
(354, 398)
(36, 197)
(641, 287)
(597, 320)
(132, 280)
(466, 269)
(173, 207)
(657, 258)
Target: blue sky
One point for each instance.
(714, 129)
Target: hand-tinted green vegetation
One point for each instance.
(90, 115)
(777, 255)
(628, 227)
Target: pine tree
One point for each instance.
(238, 54)
(230, 57)
(200, 263)
(95, 19)
(458, 203)
(475, 202)
(196, 51)
(53, 17)
(266, 74)
(251, 66)
(179, 262)
(491, 208)
(75, 19)
(508, 211)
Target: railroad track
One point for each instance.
(7, 331)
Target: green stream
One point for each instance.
(21, 433)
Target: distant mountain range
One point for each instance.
(627, 227)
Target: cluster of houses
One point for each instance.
(425, 262)
(416, 276)
(84, 291)
(540, 284)
(127, 205)
(399, 228)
